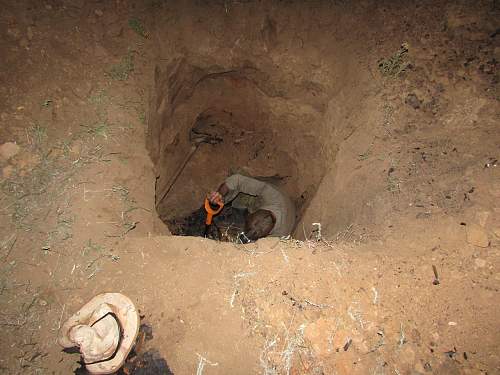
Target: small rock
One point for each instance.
(98, 12)
(476, 235)
(413, 101)
(452, 323)
(480, 262)
(42, 302)
(497, 232)
(8, 150)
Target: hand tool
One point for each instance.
(196, 139)
(211, 212)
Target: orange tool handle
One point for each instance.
(211, 212)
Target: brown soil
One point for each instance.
(379, 118)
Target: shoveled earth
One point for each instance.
(305, 307)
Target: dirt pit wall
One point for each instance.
(210, 122)
(304, 87)
(272, 103)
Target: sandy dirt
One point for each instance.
(385, 118)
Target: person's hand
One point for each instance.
(215, 197)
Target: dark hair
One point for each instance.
(259, 224)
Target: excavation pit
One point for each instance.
(209, 123)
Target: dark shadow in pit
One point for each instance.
(228, 224)
(225, 226)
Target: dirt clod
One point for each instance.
(9, 150)
(413, 101)
(477, 235)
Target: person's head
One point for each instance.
(259, 224)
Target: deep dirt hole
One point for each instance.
(207, 126)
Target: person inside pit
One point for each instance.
(272, 215)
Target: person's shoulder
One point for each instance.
(233, 181)
(233, 177)
(239, 177)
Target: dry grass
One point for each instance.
(395, 64)
(28, 196)
(121, 71)
(276, 358)
(136, 25)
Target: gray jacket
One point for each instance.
(270, 198)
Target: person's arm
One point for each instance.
(244, 184)
(234, 185)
